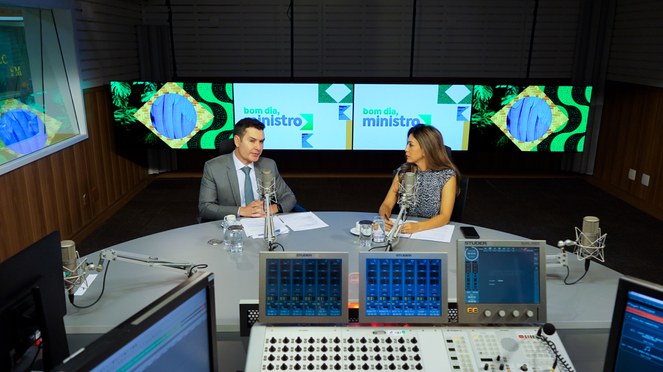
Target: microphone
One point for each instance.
(407, 197)
(266, 189)
(589, 241)
(70, 266)
(266, 185)
(409, 193)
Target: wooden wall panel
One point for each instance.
(630, 138)
(72, 190)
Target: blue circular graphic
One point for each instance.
(529, 119)
(173, 116)
(22, 131)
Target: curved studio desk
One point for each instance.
(578, 311)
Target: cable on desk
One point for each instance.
(549, 329)
(103, 287)
(568, 272)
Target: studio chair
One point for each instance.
(459, 204)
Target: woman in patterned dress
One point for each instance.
(436, 181)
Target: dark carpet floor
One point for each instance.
(545, 209)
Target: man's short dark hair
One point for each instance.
(240, 126)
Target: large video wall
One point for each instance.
(347, 116)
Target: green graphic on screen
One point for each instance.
(529, 118)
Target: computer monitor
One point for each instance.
(636, 333)
(403, 287)
(177, 332)
(501, 281)
(303, 288)
(32, 307)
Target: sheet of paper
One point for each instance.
(303, 221)
(255, 227)
(438, 234)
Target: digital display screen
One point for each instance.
(501, 275)
(641, 341)
(352, 116)
(178, 339)
(403, 287)
(383, 113)
(306, 287)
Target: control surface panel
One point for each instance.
(368, 348)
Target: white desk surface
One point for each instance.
(130, 287)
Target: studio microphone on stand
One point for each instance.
(407, 196)
(73, 270)
(589, 241)
(266, 189)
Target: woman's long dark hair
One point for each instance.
(432, 145)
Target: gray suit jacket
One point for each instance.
(219, 188)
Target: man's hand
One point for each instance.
(254, 209)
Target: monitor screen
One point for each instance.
(399, 287)
(175, 332)
(501, 281)
(636, 333)
(32, 307)
(303, 287)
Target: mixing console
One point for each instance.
(368, 348)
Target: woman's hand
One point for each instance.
(410, 228)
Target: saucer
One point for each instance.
(354, 231)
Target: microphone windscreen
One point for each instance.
(590, 230)
(267, 177)
(409, 180)
(68, 248)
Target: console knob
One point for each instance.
(285, 340)
(487, 313)
(501, 313)
(530, 313)
(515, 313)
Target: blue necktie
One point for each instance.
(248, 188)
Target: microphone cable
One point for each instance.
(272, 246)
(549, 329)
(568, 272)
(103, 288)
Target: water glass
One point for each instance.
(228, 221)
(235, 238)
(365, 233)
(378, 230)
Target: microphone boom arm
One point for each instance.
(113, 255)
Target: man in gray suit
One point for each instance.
(229, 183)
